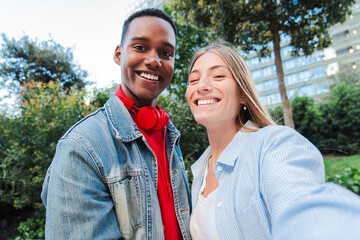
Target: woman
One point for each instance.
(256, 180)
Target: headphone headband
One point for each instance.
(148, 117)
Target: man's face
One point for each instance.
(146, 58)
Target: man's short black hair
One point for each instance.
(154, 12)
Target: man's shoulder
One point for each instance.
(94, 123)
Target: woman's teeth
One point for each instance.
(206, 101)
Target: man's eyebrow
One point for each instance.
(145, 39)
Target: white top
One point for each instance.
(202, 223)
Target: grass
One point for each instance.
(336, 164)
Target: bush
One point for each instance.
(348, 178)
(32, 228)
(341, 126)
(277, 114)
(332, 126)
(29, 139)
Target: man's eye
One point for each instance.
(167, 54)
(139, 47)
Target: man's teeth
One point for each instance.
(206, 101)
(149, 76)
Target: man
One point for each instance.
(119, 172)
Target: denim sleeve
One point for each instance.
(301, 205)
(77, 200)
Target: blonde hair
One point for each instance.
(255, 112)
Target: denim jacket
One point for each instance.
(102, 182)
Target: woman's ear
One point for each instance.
(242, 100)
(117, 54)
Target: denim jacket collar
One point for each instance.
(128, 132)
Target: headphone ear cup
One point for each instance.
(162, 121)
(148, 117)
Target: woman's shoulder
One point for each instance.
(275, 136)
(278, 135)
(278, 131)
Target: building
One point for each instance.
(307, 75)
(141, 4)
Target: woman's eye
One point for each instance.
(219, 76)
(193, 80)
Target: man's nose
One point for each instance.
(153, 60)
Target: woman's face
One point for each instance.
(212, 92)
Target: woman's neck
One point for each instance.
(219, 139)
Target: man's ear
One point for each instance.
(117, 55)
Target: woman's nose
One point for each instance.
(204, 85)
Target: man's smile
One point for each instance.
(148, 76)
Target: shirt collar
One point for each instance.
(228, 156)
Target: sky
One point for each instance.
(91, 28)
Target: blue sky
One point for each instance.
(92, 28)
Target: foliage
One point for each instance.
(32, 228)
(336, 164)
(189, 39)
(277, 114)
(332, 126)
(344, 171)
(29, 138)
(257, 25)
(341, 127)
(251, 23)
(348, 178)
(308, 120)
(101, 97)
(25, 60)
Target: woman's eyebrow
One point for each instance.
(218, 66)
(211, 68)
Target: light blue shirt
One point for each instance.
(271, 186)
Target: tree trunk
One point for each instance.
(280, 74)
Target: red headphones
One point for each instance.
(150, 118)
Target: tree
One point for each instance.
(189, 39)
(28, 139)
(258, 25)
(25, 60)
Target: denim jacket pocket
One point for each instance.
(126, 194)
